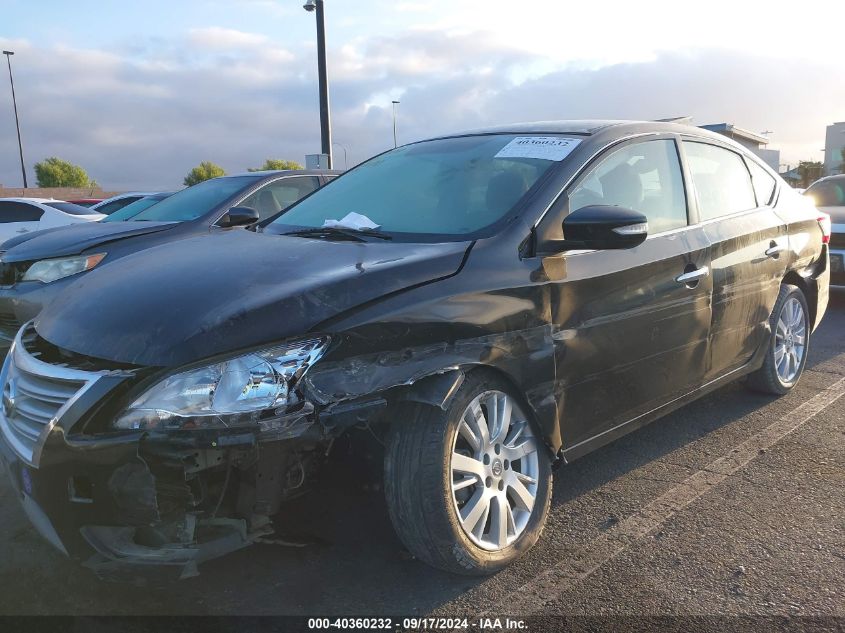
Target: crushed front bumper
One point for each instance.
(128, 505)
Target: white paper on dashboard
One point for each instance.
(543, 147)
(352, 220)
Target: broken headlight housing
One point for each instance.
(253, 389)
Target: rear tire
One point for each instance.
(786, 355)
(468, 489)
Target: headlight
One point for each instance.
(247, 390)
(48, 270)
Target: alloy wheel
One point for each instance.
(494, 470)
(790, 340)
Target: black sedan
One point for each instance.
(490, 304)
(36, 267)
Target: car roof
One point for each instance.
(296, 172)
(38, 200)
(590, 127)
(831, 177)
(161, 195)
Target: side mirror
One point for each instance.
(238, 216)
(602, 227)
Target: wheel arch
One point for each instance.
(438, 390)
(808, 286)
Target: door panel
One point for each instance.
(749, 250)
(630, 337)
(17, 218)
(745, 284)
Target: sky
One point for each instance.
(140, 92)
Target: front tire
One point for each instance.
(468, 489)
(786, 355)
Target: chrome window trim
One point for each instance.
(28, 363)
(680, 137)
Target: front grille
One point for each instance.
(35, 395)
(837, 240)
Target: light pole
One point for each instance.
(325, 119)
(8, 55)
(395, 103)
(345, 161)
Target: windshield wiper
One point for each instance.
(338, 231)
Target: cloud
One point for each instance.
(140, 118)
(215, 37)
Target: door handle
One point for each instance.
(693, 275)
(775, 250)
(23, 231)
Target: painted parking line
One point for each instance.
(531, 597)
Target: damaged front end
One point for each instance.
(123, 469)
(140, 472)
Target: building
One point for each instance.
(834, 142)
(751, 140)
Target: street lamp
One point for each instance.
(325, 121)
(395, 103)
(8, 55)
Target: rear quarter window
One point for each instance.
(764, 184)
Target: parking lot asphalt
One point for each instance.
(732, 505)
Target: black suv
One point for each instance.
(492, 303)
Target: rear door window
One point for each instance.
(645, 177)
(19, 212)
(721, 180)
(116, 205)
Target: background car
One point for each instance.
(86, 202)
(25, 215)
(115, 203)
(36, 267)
(828, 194)
(134, 208)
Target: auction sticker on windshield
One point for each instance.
(543, 147)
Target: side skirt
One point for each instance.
(606, 437)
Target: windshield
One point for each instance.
(131, 210)
(448, 189)
(828, 193)
(70, 208)
(196, 201)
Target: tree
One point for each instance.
(809, 172)
(277, 163)
(842, 164)
(205, 170)
(55, 172)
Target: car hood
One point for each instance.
(226, 291)
(74, 239)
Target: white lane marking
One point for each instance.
(542, 589)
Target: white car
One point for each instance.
(24, 215)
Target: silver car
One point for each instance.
(828, 195)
